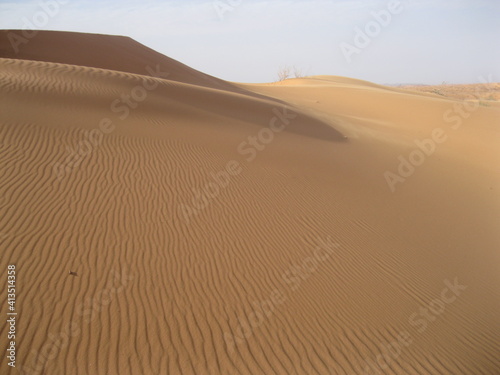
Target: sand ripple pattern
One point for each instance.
(156, 294)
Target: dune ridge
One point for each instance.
(301, 261)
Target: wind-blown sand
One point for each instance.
(301, 259)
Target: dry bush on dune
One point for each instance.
(286, 72)
(298, 73)
(283, 73)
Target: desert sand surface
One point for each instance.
(486, 93)
(214, 227)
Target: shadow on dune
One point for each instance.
(184, 91)
(235, 108)
(111, 52)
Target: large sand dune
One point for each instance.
(223, 228)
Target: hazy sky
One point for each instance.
(424, 41)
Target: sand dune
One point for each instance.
(224, 228)
(98, 51)
(487, 93)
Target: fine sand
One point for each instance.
(486, 92)
(321, 225)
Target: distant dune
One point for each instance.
(163, 221)
(488, 93)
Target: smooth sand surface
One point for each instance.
(199, 250)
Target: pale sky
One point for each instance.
(424, 41)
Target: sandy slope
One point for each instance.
(302, 261)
